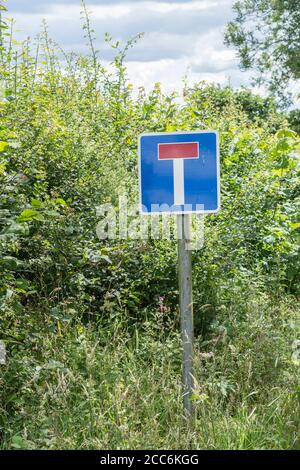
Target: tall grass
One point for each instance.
(105, 387)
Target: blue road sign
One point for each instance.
(179, 172)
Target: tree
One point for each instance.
(266, 34)
(294, 120)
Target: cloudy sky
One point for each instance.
(182, 37)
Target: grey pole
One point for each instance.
(186, 309)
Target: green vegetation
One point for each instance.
(266, 35)
(93, 343)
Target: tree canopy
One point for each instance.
(266, 35)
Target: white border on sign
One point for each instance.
(214, 211)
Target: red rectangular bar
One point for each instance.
(178, 150)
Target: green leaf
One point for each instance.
(36, 203)
(10, 262)
(2, 168)
(280, 172)
(285, 133)
(3, 145)
(16, 229)
(28, 215)
(18, 442)
(60, 201)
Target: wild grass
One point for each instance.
(111, 387)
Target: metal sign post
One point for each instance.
(186, 309)
(179, 174)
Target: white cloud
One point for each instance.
(36, 5)
(180, 36)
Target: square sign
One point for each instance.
(179, 172)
